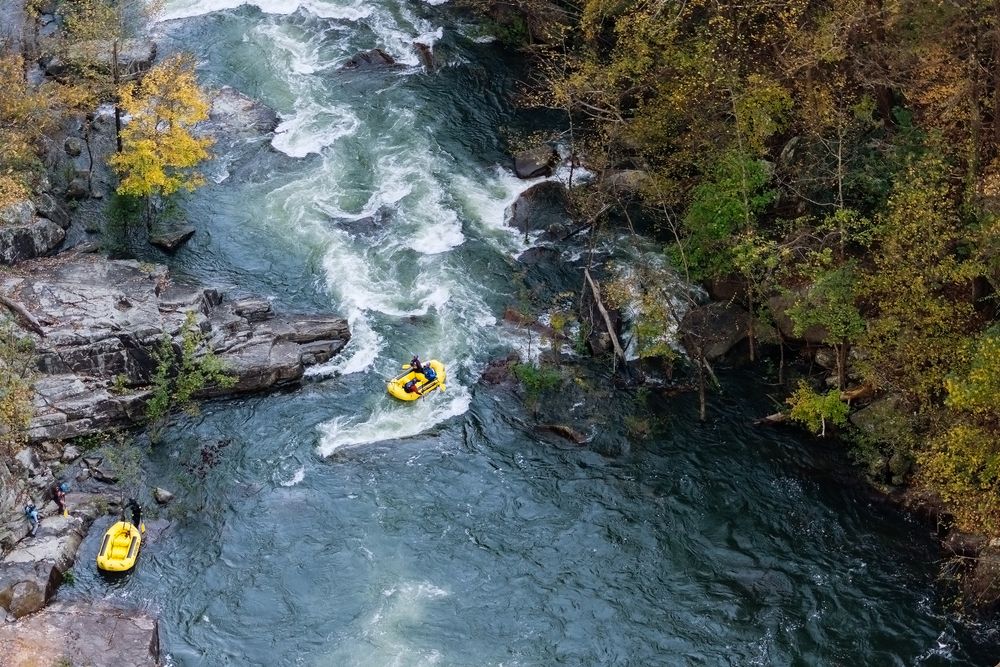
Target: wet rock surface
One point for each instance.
(104, 319)
(81, 632)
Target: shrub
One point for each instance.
(814, 410)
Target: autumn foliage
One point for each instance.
(160, 149)
(845, 153)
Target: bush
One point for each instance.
(536, 380)
(178, 379)
(814, 410)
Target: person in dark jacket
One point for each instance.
(136, 513)
(411, 387)
(416, 366)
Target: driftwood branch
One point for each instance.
(771, 420)
(595, 290)
(24, 318)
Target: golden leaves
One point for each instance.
(159, 149)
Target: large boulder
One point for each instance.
(171, 238)
(47, 207)
(26, 587)
(234, 112)
(57, 541)
(715, 328)
(539, 207)
(628, 182)
(36, 239)
(82, 632)
(535, 162)
(779, 306)
(981, 587)
(17, 213)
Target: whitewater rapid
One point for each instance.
(389, 206)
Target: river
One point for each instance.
(332, 526)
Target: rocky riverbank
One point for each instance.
(98, 328)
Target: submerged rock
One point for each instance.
(426, 55)
(371, 59)
(162, 496)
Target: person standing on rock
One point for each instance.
(31, 512)
(59, 495)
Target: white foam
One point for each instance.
(299, 475)
(182, 9)
(392, 420)
(313, 128)
(488, 205)
(357, 356)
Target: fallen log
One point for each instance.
(564, 431)
(771, 420)
(595, 290)
(24, 318)
(864, 391)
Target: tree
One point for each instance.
(963, 462)
(917, 293)
(159, 149)
(829, 302)
(815, 410)
(179, 377)
(17, 359)
(91, 28)
(27, 114)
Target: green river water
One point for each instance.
(333, 526)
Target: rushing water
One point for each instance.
(333, 526)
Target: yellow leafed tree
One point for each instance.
(159, 149)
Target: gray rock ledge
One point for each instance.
(83, 633)
(103, 320)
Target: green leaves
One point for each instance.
(815, 410)
(178, 379)
(724, 208)
(829, 302)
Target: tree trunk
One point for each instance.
(117, 81)
(841, 351)
(702, 410)
(595, 290)
(781, 358)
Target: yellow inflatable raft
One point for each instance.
(119, 548)
(397, 385)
